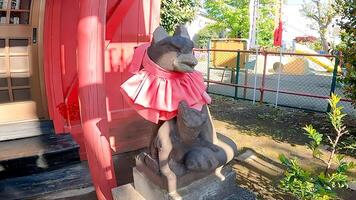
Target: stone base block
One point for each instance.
(126, 192)
(216, 186)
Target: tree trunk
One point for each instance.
(324, 42)
(323, 28)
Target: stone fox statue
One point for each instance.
(167, 91)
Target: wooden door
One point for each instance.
(21, 96)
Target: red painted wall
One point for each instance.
(127, 130)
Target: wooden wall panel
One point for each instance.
(111, 7)
(69, 43)
(128, 131)
(52, 70)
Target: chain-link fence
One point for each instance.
(297, 80)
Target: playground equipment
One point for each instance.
(298, 66)
(223, 60)
(324, 62)
(228, 59)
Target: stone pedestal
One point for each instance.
(220, 186)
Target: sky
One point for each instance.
(291, 2)
(295, 23)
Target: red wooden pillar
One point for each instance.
(92, 97)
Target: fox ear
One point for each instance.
(181, 31)
(159, 34)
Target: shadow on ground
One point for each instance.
(259, 174)
(281, 124)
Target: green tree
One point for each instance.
(321, 14)
(175, 12)
(233, 17)
(347, 11)
(205, 34)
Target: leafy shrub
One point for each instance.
(310, 185)
(349, 81)
(347, 21)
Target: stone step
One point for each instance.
(49, 185)
(26, 156)
(219, 185)
(17, 130)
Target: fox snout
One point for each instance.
(185, 63)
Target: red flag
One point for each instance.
(278, 35)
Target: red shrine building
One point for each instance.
(61, 66)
